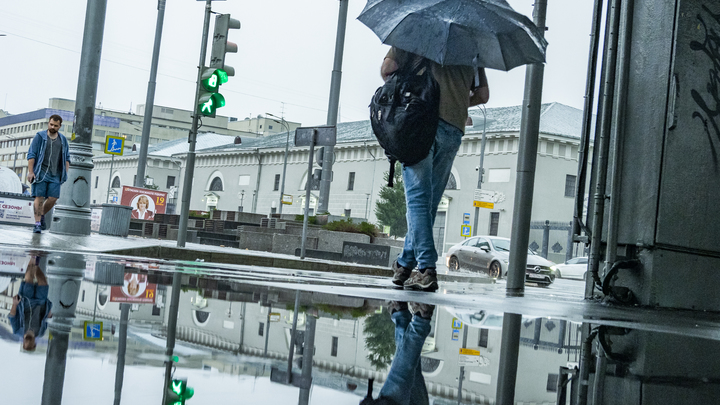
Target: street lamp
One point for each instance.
(287, 143)
(481, 170)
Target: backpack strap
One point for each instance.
(391, 174)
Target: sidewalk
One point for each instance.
(22, 237)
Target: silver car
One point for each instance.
(489, 254)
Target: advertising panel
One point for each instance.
(16, 211)
(135, 290)
(144, 202)
(13, 263)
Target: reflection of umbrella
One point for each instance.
(483, 33)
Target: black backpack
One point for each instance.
(404, 114)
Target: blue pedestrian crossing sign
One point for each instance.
(465, 231)
(93, 330)
(114, 145)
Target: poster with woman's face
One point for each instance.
(144, 206)
(134, 284)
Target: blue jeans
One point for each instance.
(424, 186)
(405, 384)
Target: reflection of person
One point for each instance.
(31, 307)
(405, 384)
(48, 166)
(141, 210)
(425, 181)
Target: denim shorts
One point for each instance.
(46, 189)
(37, 294)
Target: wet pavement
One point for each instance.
(234, 332)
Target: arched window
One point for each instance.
(451, 184)
(116, 182)
(216, 184)
(200, 318)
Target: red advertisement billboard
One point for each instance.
(135, 290)
(144, 202)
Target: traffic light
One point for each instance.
(217, 73)
(179, 392)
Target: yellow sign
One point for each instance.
(287, 199)
(114, 145)
(470, 352)
(483, 204)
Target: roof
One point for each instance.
(555, 119)
(67, 116)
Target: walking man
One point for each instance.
(425, 181)
(31, 307)
(48, 166)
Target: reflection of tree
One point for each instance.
(380, 339)
(390, 208)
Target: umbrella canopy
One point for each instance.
(482, 33)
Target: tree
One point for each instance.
(380, 339)
(390, 208)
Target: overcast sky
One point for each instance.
(283, 66)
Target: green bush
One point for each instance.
(312, 220)
(347, 225)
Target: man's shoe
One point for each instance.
(37, 228)
(394, 306)
(422, 281)
(400, 274)
(422, 310)
(43, 225)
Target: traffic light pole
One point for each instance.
(172, 326)
(329, 153)
(192, 138)
(150, 99)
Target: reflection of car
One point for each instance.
(489, 254)
(573, 268)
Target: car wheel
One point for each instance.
(495, 270)
(454, 264)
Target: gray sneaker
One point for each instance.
(422, 310)
(400, 274)
(422, 281)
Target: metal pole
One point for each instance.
(282, 186)
(604, 145)
(481, 170)
(584, 148)
(307, 195)
(172, 325)
(15, 161)
(599, 381)
(527, 159)
(292, 335)
(586, 337)
(522, 211)
(509, 349)
(329, 154)
(192, 138)
(307, 360)
(462, 368)
(107, 195)
(267, 331)
(64, 274)
(546, 239)
(150, 99)
(96, 300)
(70, 218)
(122, 344)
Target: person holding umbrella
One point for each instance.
(459, 38)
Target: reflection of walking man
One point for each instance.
(425, 181)
(31, 307)
(48, 165)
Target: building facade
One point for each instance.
(248, 177)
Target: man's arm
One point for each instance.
(481, 94)
(31, 170)
(389, 66)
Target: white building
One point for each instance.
(248, 177)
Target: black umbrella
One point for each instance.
(482, 33)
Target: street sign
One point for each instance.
(456, 334)
(287, 199)
(274, 316)
(483, 204)
(326, 136)
(466, 218)
(465, 231)
(93, 330)
(456, 323)
(114, 145)
(488, 196)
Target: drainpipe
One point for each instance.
(257, 185)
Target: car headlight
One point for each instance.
(553, 269)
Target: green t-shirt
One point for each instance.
(455, 83)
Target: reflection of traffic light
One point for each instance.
(179, 392)
(217, 74)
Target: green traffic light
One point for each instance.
(209, 103)
(222, 75)
(177, 387)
